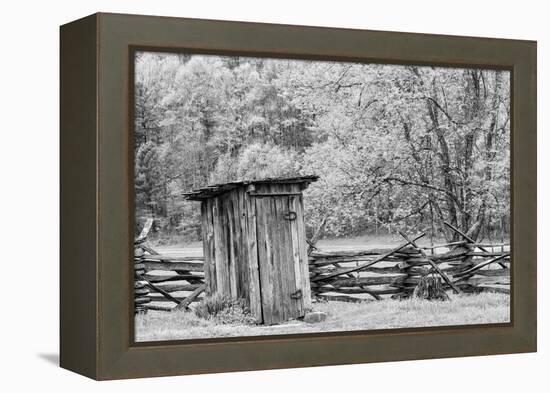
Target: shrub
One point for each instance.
(236, 315)
(224, 310)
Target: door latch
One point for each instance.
(296, 295)
(290, 216)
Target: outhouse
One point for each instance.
(254, 243)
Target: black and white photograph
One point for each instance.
(275, 197)
(279, 196)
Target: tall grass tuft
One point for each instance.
(224, 310)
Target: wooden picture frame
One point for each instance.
(97, 204)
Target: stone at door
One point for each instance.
(315, 317)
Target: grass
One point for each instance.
(361, 242)
(369, 315)
(224, 310)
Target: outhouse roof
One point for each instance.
(217, 189)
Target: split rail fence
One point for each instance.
(166, 283)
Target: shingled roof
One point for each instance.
(217, 189)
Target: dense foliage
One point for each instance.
(394, 146)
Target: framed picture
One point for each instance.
(241, 196)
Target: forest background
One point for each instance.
(396, 147)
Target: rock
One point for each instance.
(315, 317)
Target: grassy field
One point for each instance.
(335, 244)
(345, 243)
(369, 315)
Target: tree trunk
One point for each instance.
(445, 159)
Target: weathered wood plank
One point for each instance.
(476, 281)
(291, 296)
(264, 260)
(418, 260)
(288, 279)
(140, 291)
(359, 291)
(140, 284)
(296, 293)
(213, 285)
(493, 272)
(148, 249)
(252, 256)
(171, 266)
(206, 234)
(238, 247)
(445, 245)
(153, 307)
(364, 281)
(342, 298)
(178, 287)
(177, 277)
(346, 259)
(306, 287)
(220, 244)
(274, 231)
(486, 254)
(142, 300)
(230, 238)
(496, 245)
(331, 254)
(184, 304)
(160, 299)
(294, 239)
(457, 253)
(165, 294)
(169, 258)
(380, 270)
(279, 260)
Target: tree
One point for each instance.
(148, 180)
(395, 146)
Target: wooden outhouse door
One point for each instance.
(282, 256)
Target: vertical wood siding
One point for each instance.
(251, 245)
(253, 252)
(302, 249)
